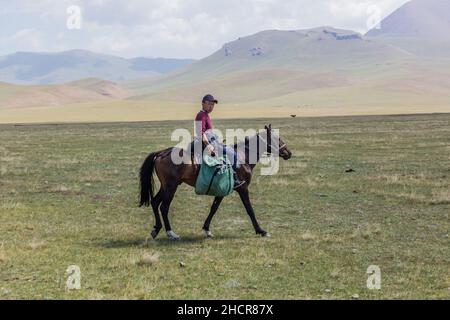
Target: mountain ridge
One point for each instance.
(420, 19)
(328, 55)
(31, 68)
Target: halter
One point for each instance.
(269, 145)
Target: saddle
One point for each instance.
(195, 158)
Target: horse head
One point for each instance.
(283, 150)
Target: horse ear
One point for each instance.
(270, 126)
(266, 127)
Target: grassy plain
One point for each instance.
(311, 103)
(68, 196)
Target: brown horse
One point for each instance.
(172, 175)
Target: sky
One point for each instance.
(169, 28)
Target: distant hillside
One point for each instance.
(18, 96)
(274, 63)
(52, 68)
(158, 65)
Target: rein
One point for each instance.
(268, 145)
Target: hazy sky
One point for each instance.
(167, 28)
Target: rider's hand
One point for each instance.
(210, 149)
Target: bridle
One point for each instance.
(282, 148)
(269, 144)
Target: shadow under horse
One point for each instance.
(171, 175)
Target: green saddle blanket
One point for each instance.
(215, 177)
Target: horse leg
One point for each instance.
(244, 194)
(214, 207)
(156, 201)
(169, 193)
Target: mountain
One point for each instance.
(274, 63)
(417, 19)
(52, 68)
(421, 27)
(158, 65)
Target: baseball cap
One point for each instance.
(209, 98)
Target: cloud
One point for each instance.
(169, 28)
(26, 40)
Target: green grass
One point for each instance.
(69, 197)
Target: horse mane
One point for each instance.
(246, 142)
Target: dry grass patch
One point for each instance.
(3, 256)
(441, 196)
(409, 180)
(437, 197)
(63, 160)
(11, 205)
(308, 236)
(336, 273)
(315, 142)
(279, 182)
(36, 244)
(65, 190)
(147, 259)
(366, 232)
(11, 158)
(3, 170)
(311, 182)
(294, 169)
(96, 296)
(61, 163)
(93, 177)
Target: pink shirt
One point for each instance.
(206, 123)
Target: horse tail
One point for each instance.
(146, 179)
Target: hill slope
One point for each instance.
(18, 96)
(273, 63)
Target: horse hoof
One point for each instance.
(173, 236)
(208, 234)
(265, 235)
(154, 233)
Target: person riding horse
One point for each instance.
(171, 175)
(204, 132)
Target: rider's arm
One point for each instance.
(209, 146)
(203, 125)
(205, 139)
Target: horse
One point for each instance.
(172, 175)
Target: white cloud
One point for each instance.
(170, 28)
(26, 39)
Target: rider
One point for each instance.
(209, 138)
